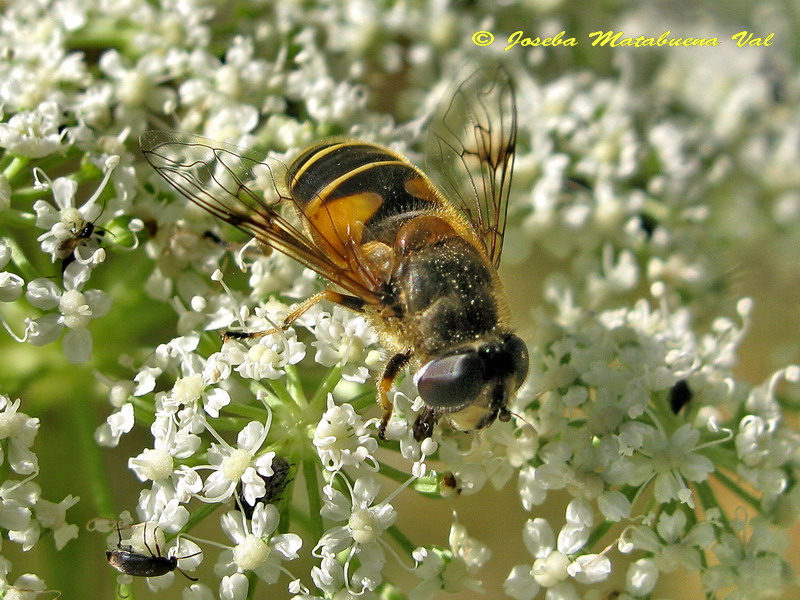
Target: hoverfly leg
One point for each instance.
(350, 302)
(254, 249)
(215, 239)
(393, 367)
(245, 335)
(423, 426)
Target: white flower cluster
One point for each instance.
(636, 193)
(24, 515)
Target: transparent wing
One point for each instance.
(471, 152)
(247, 190)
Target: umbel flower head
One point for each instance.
(652, 233)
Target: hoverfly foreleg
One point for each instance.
(253, 247)
(350, 302)
(393, 367)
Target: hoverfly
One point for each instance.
(418, 261)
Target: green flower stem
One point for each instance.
(598, 532)
(252, 581)
(105, 34)
(393, 473)
(428, 486)
(738, 490)
(232, 423)
(26, 268)
(721, 457)
(92, 459)
(199, 515)
(285, 506)
(401, 540)
(17, 218)
(297, 517)
(314, 498)
(387, 591)
(320, 396)
(143, 411)
(364, 400)
(248, 411)
(295, 386)
(280, 390)
(273, 401)
(28, 194)
(663, 414)
(13, 170)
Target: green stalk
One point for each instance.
(284, 506)
(199, 515)
(314, 499)
(393, 473)
(387, 591)
(721, 457)
(738, 490)
(247, 411)
(364, 400)
(401, 540)
(104, 35)
(5, 160)
(252, 580)
(16, 217)
(143, 410)
(28, 193)
(26, 268)
(92, 459)
(231, 423)
(298, 518)
(598, 532)
(13, 170)
(295, 382)
(283, 394)
(333, 377)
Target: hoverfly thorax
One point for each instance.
(417, 256)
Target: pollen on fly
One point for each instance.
(128, 561)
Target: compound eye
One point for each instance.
(452, 382)
(518, 352)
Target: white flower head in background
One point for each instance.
(257, 547)
(76, 309)
(343, 440)
(364, 524)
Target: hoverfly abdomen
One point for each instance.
(319, 166)
(357, 191)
